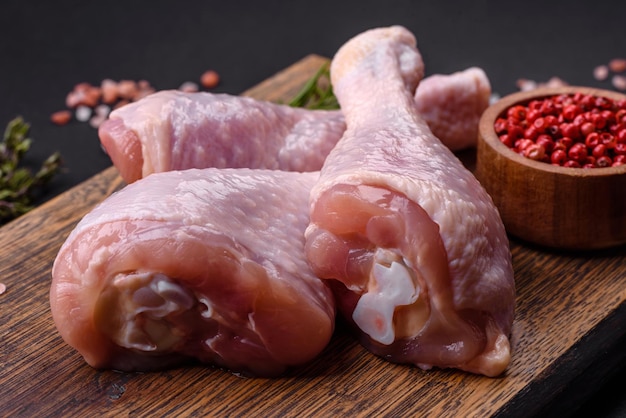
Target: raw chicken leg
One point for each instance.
(412, 244)
(171, 130)
(451, 105)
(203, 265)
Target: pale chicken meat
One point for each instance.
(198, 265)
(412, 245)
(172, 130)
(452, 104)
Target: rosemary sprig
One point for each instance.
(18, 184)
(317, 93)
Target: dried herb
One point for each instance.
(317, 93)
(18, 184)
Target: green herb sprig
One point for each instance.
(18, 184)
(317, 93)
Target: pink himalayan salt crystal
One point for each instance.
(601, 72)
(525, 84)
(619, 82)
(189, 87)
(109, 91)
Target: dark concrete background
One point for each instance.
(48, 47)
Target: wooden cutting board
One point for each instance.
(569, 333)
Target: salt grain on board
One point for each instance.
(189, 87)
(3, 288)
(83, 113)
(524, 84)
(619, 82)
(601, 72)
(101, 112)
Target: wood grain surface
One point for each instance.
(569, 332)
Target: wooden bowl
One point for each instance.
(553, 206)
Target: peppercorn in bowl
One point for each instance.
(554, 162)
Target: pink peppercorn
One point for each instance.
(558, 157)
(571, 130)
(604, 161)
(578, 152)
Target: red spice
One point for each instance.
(604, 161)
(619, 159)
(569, 130)
(500, 126)
(617, 65)
(586, 128)
(535, 152)
(578, 152)
(566, 142)
(507, 140)
(558, 157)
(533, 115)
(607, 139)
(83, 94)
(546, 142)
(592, 139)
(114, 94)
(62, 117)
(571, 164)
(620, 148)
(532, 132)
(209, 79)
(599, 150)
(571, 111)
(522, 144)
